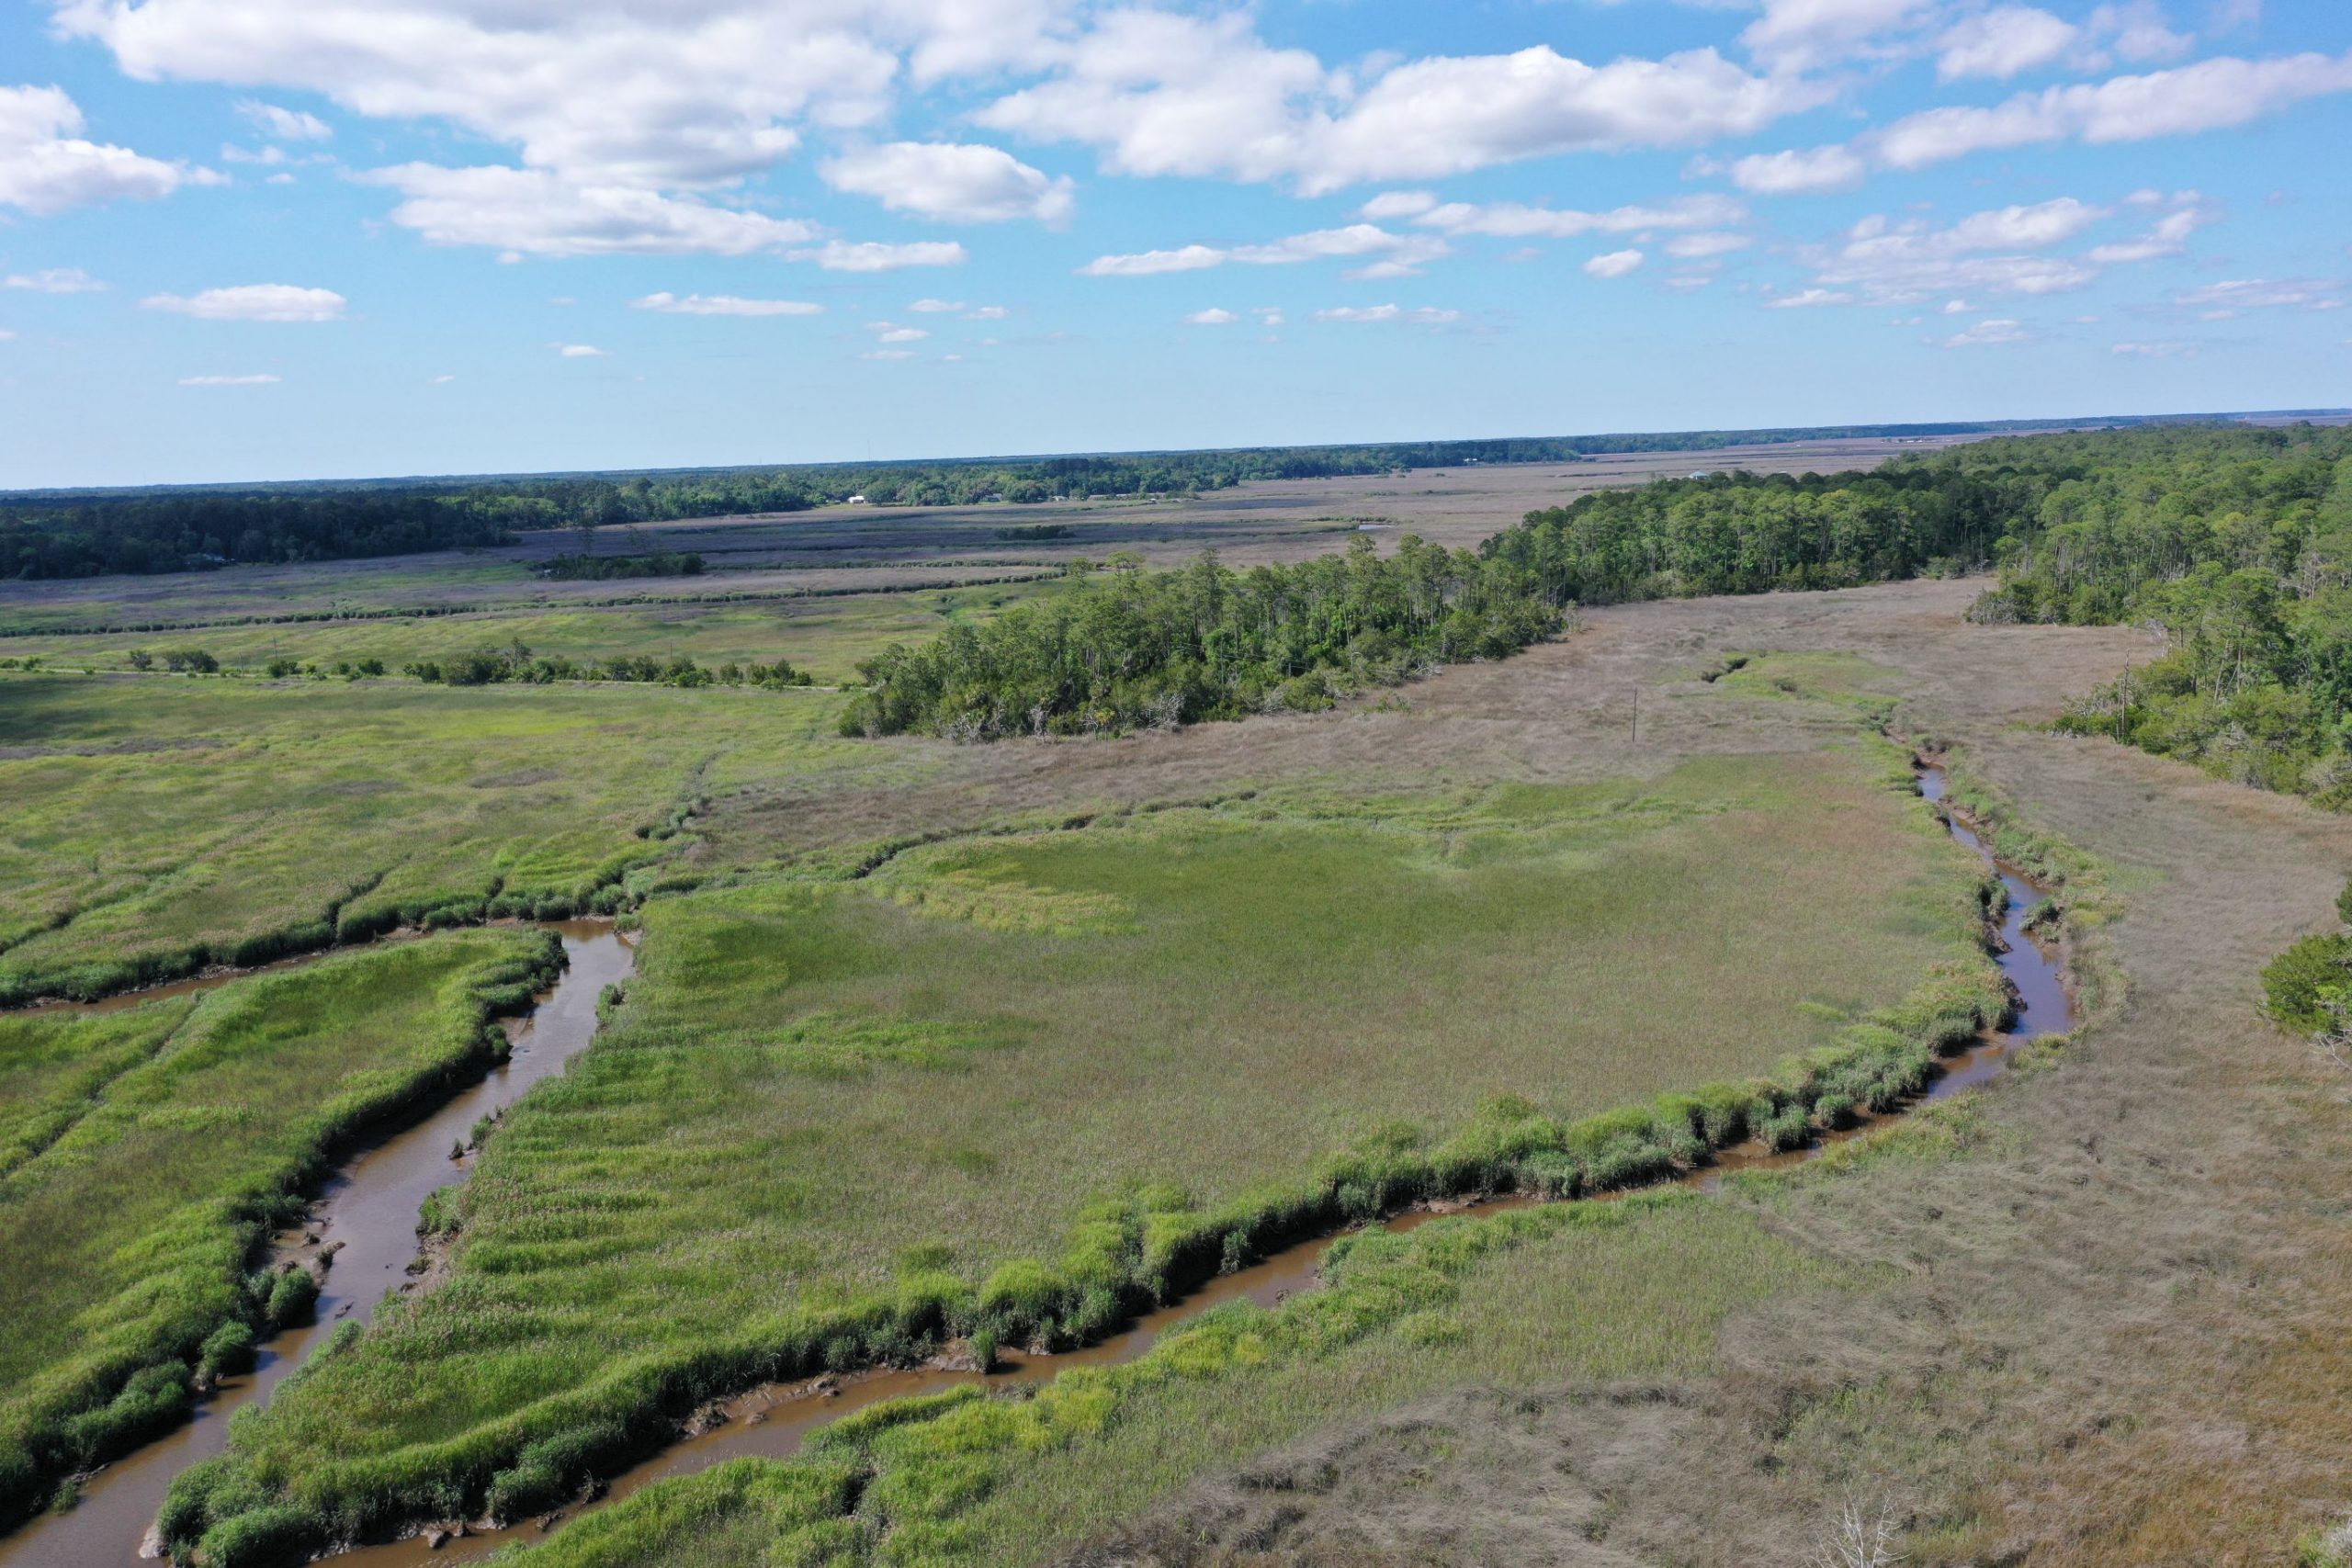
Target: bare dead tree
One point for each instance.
(1860, 1537)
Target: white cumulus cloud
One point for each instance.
(254, 302)
(1885, 262)
(533, 212)
(580, 351)
(2209, 96)
(2169, 236)
(1797, 173)
(2219, 301)
(46, 166)
(1613, 264)
(285, 124)
(1511, 220)
(1989, 333)
(1426, 315)
(2003, 41)
(953, 182)
(1392, 204)
(1803, 35)
(1352, 241)
(724, 305)
(1212, 317)
(53, 280)
(1163, 94)
(1696, 247)
(873, 255)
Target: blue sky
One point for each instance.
(252, 239)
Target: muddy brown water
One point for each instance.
(774, 1421)
(366, 1213)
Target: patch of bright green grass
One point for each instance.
(707, 1195)
(54, 1064)
(129, 1233)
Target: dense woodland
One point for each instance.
(1123, 650)
(88, 533)
(1746, 534)
(2235, 548)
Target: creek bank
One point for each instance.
(106, 984)
(357, 1239)
(774, 1421)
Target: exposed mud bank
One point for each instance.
(359, 1238)
(775, 1420)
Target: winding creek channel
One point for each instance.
(364, 1216)
(371, 1208)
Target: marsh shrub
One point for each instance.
(2305, 984)
(491, 665)
(293, 1297)
(228, 1349)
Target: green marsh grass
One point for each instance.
(157, 826)
(54, 1065)
(1288, 1023)
(827, 635)
(1522, 1300)
(131, 1234)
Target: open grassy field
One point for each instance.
(152, 1149)
(159, 824)
(824, 1098)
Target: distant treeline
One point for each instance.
(86, 533)
(152, 531)
(1120, 651)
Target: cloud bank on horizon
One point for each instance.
(1939, 177)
